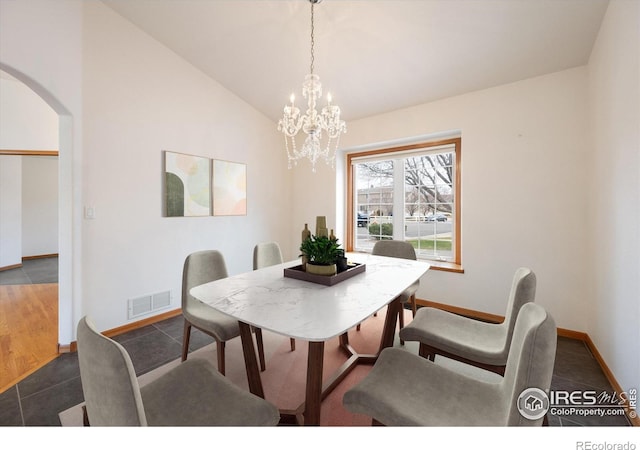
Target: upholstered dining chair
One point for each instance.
(399, 249)
(190, 394)
(471, 341)
(268, 254)
(200, 268)
(405, 389)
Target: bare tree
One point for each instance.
(429, 174)
(411, 203)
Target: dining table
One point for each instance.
(315, 313)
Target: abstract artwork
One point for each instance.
(229, 188)
(187, 185)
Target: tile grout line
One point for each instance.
(20, 406)
(67, 380)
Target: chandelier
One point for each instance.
(318, 126)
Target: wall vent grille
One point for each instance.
(161, 300)
(146, 304)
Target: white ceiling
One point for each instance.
(373, 56)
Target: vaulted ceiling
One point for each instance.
(374, 56)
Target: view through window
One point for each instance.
(409, 193)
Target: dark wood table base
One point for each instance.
(308, 413)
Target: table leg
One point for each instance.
(389, 331)
(313, 396)
(315, 391)
(250, 360)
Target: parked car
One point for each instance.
(436, 218)
(363, 219)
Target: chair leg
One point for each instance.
(263, 364)
(401, 320)
(220, 350)
(185, 339)
(85, 417)
(414, 307)
(293, 344)
(426, 352)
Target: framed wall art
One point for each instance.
(229, 188)
(187, 185)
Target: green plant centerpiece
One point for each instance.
(322, 253)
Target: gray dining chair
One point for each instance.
(192, 393)
(404, 250)
(200, 268)
(471, 341)
(404, 389)
(268, 254)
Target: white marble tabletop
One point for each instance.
(309, 311)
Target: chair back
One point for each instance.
(523, 291)
(395, 249)
(404, 250)
(531, 359)
(266, 254)
(200, 268)
(109, 382)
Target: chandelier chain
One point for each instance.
(312, 42)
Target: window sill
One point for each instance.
(445, 266)
(435, 265)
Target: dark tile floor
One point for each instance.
(33, 271)
(37, 400)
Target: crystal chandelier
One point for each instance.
(313, 123)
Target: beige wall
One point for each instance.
(614, 213)
(139, 99)
(26, 121)
(10, 211)
(39, 205)
(524, 197)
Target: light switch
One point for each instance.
(89, 212)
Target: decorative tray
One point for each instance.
(298, 273)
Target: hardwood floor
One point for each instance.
(28, 330)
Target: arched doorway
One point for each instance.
(29, 230)
(66, 235)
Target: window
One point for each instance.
(409, 193)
